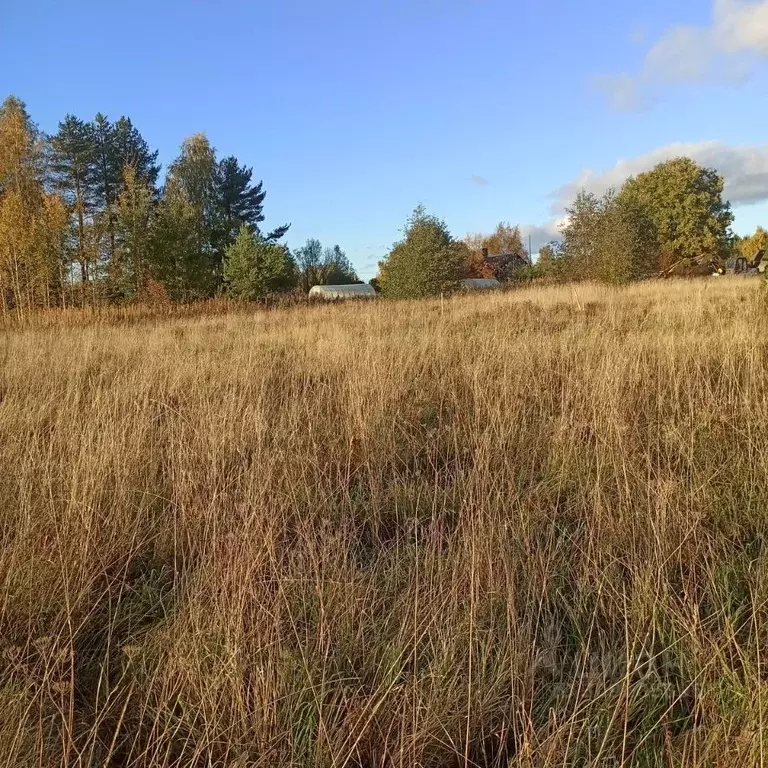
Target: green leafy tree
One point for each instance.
(750, 245)
(627, 241)
(311, 264)
(684, 202)
(130, 268)
(548, 255)
(32, 221)
(255, 268)
(611, 239)
(581, 236)
(323, 266)
(551, 261)
(175, 262)
(190, 221)
(340, 269)
(426, 262)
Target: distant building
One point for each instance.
(479, 284)
(504, 265)
(757, 264)
(331, 292)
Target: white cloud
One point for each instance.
(741, 26)
(722, 52)
(744, 169)
(481, 181)
(623, 92)
(540, 234)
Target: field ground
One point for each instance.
(522, 529)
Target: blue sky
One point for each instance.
(354, 111)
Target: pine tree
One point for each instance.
(104, 175)
(243, 202)
(74, 166)
(129, 148)
(117, 145)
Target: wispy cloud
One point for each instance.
(368, 266)
(638, 33)
(481, 181)
(622, 92)
(724, 51)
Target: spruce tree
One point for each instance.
(254, 268)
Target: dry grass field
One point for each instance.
(526, 529)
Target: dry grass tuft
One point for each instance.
(525, 529)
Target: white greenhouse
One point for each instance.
(479, 284)
(331, 292)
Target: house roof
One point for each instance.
(504, 258)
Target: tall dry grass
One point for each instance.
(526, 529)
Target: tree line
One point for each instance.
(673, 214)
(83, 218)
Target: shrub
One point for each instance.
(254, 268)
(427, 262)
